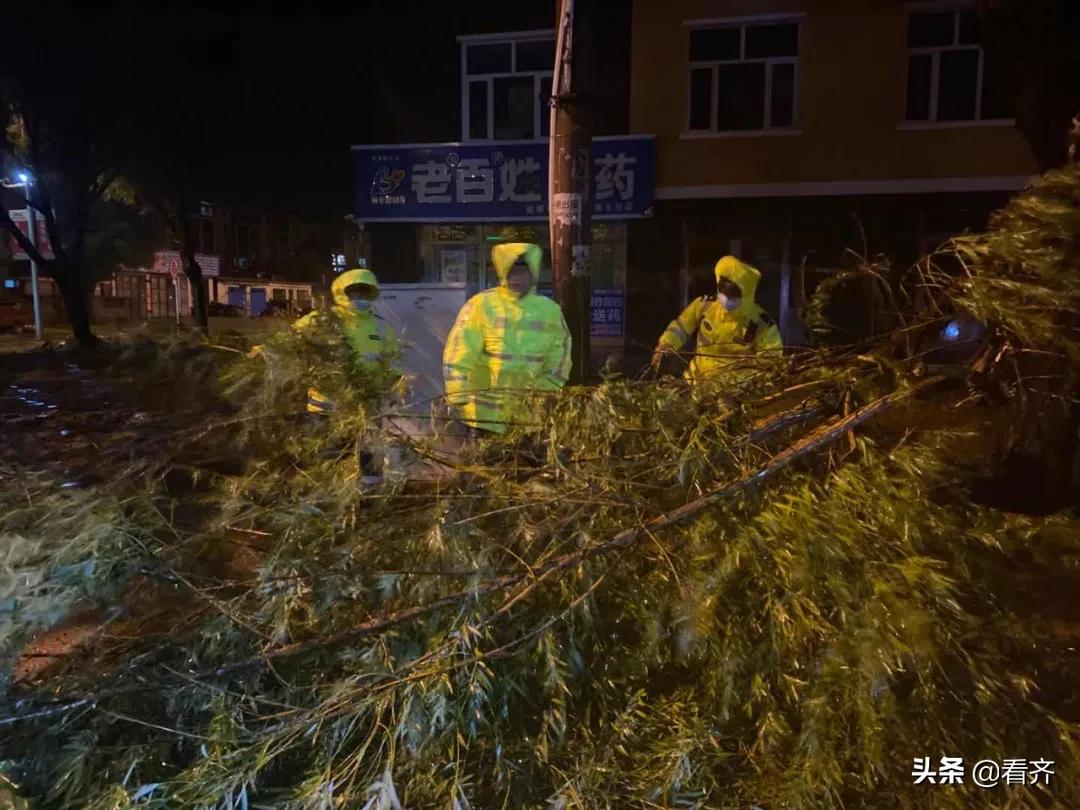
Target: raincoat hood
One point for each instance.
(504, 256)
(348, 279)
(744, 276)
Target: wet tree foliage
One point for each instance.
(775, 590)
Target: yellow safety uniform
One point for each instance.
(503, 346)
(371, 338)
(723, 336)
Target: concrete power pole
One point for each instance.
(570, 177)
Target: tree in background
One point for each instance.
(121, 232)
(1035, 44)
(147, 115)
(70, 181)
(167, 194)
(68, 123)
(172, 167)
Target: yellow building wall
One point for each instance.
(851, 101)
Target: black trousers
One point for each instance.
(368, 465)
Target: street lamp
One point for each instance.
(25, 183)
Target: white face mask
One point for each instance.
(730, 304)
(524, 283)
(362, 304)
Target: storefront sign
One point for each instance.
(505, 181)
(606, 309)
(170, 261)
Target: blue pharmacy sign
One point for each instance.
(505, 181)
(606, 309)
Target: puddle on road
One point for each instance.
(31, 397)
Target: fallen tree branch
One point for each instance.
(821, 437)
(764, 428)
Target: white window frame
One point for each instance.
(742, 23)
(955, 7)
(511, 38)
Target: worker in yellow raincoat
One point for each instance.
(729, 325)
(371, 339)
(506, 342)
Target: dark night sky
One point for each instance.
(279, 90)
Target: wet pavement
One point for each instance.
(71, 414)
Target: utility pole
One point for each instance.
(570, 176)
(35, 291)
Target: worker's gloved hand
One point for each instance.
(658, 357)
(256, 351)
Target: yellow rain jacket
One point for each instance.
(723, 336)
(503, 346)
(369, 336)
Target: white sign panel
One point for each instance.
(454, 265)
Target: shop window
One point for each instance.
(506, 85)
(949, 78)
(279, 295)
(450, 253)
(536, 233)
(462, 252)
(478, 110)
(495, 57)
(515, 108)
(743, 77)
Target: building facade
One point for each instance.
(432, 210)
(252, 260)
(789, 131)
